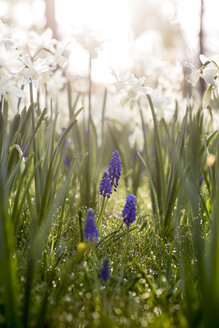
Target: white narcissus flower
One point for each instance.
(5, 36)
(9, 59)
(89, 41)
(55, 84)
(10, 65)
(208, 73)
(120, 80)
(59, 57)
(9, 55)
(130, 88)
(134, 88)
(9, 92)
(44, 46)
(213, 61)
(7, 87)
(158, 98)
(42, 41)
(37, 70)
(195, 74)
(136, 139)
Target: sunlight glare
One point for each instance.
(110, 19)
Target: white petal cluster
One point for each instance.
(42, 42)
(209, 71)
(40, 61)
(37, 70)
(10, 67)
(56, 83)
(136, 139)
(159, 99)
(130, 88)
(88, 40)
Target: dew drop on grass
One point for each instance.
(117, 311)
(88, 296)
(81, 314)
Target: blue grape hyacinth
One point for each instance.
(105, 186)
(91, 232)
(115, 168)
(201, 181)
(105, 273)
(67, 161)
(67, 139)
(129, 211)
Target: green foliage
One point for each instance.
(163, 271)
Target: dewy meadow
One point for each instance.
(105, 223)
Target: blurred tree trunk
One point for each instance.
(50, 17)
(201, 42)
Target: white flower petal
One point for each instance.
(204, 59)
(193, 77)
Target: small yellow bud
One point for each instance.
(81, 247)
(210, 160)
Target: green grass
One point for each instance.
(164, 273)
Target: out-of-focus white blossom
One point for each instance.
(5, 36)
(43, 46)
(209, 75)
(89, 41)
(55, 84)
(208, 72)
(212, 61)
(211, 69)
(130, 88)
(9, 59)
(38, 70)
(136, 139)
(194, 75)
(161, 102)
(34, 59)
(9, 92)
(10, 66)
(59, 57)
(158, 98)
(7, 87)
(42, 41)
(120, 80)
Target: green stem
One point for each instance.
(31, 92)
(122, 266)
(89, 132)
(10, 279)
(97, 294)
(102, 210)
(126, 246)
(122, 263)
(160, 158)
(36, 175)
